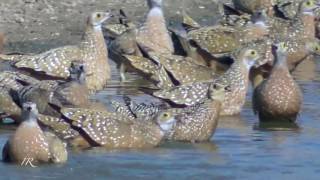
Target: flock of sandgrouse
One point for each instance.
(200, 73)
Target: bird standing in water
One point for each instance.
(278, 97)
(30, 142)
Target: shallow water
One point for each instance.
(238, 150)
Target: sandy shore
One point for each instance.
(37, 25)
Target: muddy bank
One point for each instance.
(37, 25)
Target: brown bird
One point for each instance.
(154, 34)
(92, 50)
(87, 128)
(223, 40)
(278, 97)
(29, 142)
(198, 123)
(237, 76)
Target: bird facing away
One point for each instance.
(154, 34)
(237, 76)
(197, 123)
(278, 97)
(92, 49)
(29, 141)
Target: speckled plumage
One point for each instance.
(137, 111)
(154, 34)
(197, 123)
(29, 141)
(235, 20)
(299, 50)
(12, 81)
(155, 72)
(279, 96)
(15, 80)
(70, 93)
(114, 131)
(301, 26)
(92, 50)
(183, 69)
(289, 8)
(236, 77)
(8, 108)
(85, 128)
(219, 40)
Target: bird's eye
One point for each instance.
(228, 88)
(308, 3)
(98, 15)
(215, 86)
(253, 53)
(165, 115)
(81, 67)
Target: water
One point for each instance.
(238, 150)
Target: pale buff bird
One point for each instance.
(29, 142)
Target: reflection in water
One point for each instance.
(276, 126)
(235, 123)
(241, 147)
